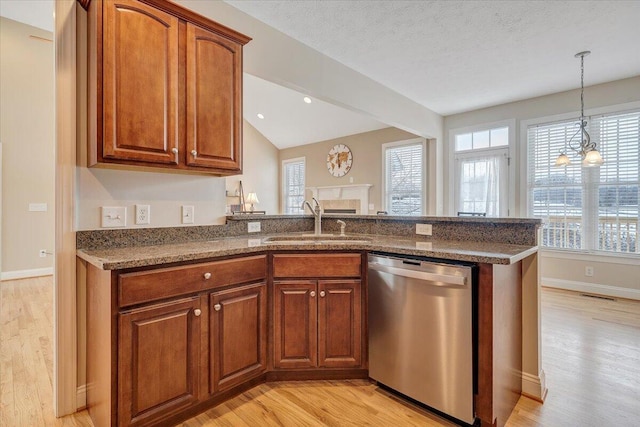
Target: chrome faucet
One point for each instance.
(317, 228)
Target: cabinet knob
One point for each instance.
(194, 153)
(174, 150)
(217, 307)
(312, 293)
(322, 294)
(207, 276)
(197, 312)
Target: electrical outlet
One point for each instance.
(187, 214)
(588, 271)
(143, 214)
(114, 216)
(253, 227)
(424, 229)
(42, 253)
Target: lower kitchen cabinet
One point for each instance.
(238, 340)
(317, 323)
(158, 360)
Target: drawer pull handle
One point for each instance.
(207, 276)
(197, 312)
(217, 307)
(322, 294)
(312, 293)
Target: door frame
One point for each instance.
(65, 351)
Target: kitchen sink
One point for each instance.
(310, 239)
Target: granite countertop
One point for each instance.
(143, 256)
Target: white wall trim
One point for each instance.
(534, 385)
(591, 288)
(81, 397)
(23, 274)
(617, 258)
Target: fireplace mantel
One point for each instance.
(344, 192)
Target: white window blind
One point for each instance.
(293, 185)
(404, 179)
(593, 209)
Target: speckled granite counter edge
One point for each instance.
(116, 259)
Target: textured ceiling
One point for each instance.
(455, 56)
(37, 13)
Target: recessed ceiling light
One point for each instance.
(307, 100)
(260, 116)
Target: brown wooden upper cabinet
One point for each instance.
(165, 88)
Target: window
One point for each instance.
(293, 185)
(403, 164)
(481, 171)
(592, 209)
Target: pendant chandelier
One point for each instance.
(587, 148)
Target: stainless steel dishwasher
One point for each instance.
(421, 332)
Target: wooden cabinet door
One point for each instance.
(295, 324)
(339, 323)
(140, 83)
(214, 101)
(238, 344)
(158, 359)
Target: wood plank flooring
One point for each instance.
(591, 355)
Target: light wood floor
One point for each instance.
(591, 355)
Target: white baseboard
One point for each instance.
(534, 386)
(591, 288)
(23, 274)
(81, 397)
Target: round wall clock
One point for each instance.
(339, 160)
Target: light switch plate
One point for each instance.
(424, 229)
(187, 214)
(253, 227)
(113, 216)
(37, 207)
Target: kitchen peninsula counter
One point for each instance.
(145, 256)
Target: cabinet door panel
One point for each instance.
(140, 87)
(295, 324)
(340, 323)
(158, 360)
(214, 100)
(238, 342)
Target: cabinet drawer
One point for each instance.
(325, 265)
(144, 286)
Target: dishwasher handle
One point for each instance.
(442, 279)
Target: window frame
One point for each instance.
(383, 193)
(525, 201)
(283, 183)
(511, 150)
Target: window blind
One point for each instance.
(404, 179)
(593, 209)
(293, 188)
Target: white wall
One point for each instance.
(260, 171)
(617, 276)
(27, 135)
(166, 192)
